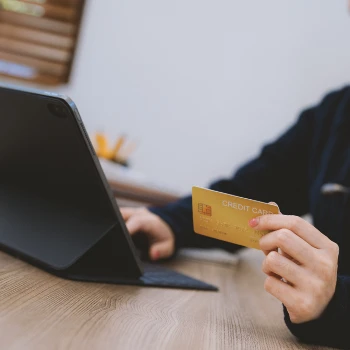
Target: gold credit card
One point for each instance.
(225, 217)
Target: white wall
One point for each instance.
(201, 84)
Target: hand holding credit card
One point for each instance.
(225, 217)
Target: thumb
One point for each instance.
(161, 250)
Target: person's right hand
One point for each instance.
(160, 236)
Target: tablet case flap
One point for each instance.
(108, 262)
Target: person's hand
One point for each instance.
(160, 236)
(304, 277)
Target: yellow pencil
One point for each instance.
(102, 145)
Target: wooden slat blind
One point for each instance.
(38, 39)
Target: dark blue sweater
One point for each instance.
(290, 172)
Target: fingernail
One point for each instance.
(156, 255)
(254, 222)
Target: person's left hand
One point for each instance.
(308, 265)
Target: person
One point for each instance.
(307, 266)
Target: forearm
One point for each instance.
(332, 328)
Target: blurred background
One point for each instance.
(198, 85)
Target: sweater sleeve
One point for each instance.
(278, 174)
(332, 328)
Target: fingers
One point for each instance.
(127, 212)
(293, 223)
(291, 245)
(278, 265)
(161, 250)
(158, 232)
(308, 262)
(137, 223)
(280, 290)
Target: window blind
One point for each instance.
(38, 39)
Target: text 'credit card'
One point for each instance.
(225, 217)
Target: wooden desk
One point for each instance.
(40, 311)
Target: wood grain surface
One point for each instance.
(40, 311)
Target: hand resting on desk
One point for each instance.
(160, 236)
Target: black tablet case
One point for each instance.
(102, 263)
(56, 210)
